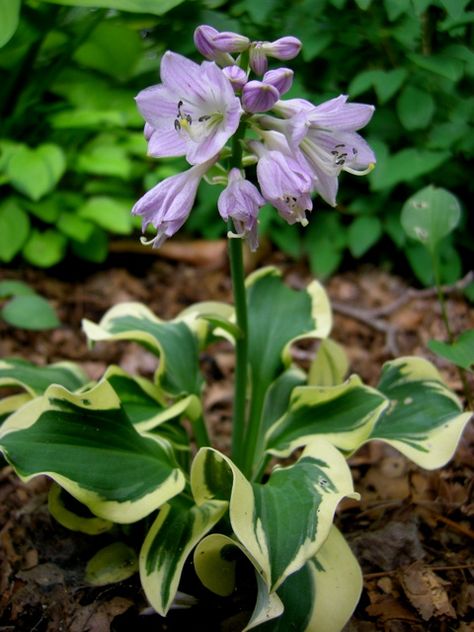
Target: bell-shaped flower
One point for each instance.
(258, 96)
(241, 202)
(193, 112)
(236, 75)
(331, 144)
(169, 203)
(280, 78)
(284, 178)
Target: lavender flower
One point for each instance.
(258, 96)
(193, 112)
(331, 144)
(284, 177)
(169, 203)
(241, 201)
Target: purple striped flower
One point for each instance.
(241, 201)
(192, 113)
(168, 204)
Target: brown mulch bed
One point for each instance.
(411, 532)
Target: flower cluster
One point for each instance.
(299, 148)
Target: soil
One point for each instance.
(411, 532)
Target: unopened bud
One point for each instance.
(228, 42)
(258, 59)
(259, 97)
(280, 78)
(204, 37)
(204, 40)
(236, 75)
(283, 48)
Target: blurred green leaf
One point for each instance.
(74, 226)
(461, 352)
(9, 16)
(113, 49)
(404, 166)
(14, 229)
(448, 67)
(30, 312)
(395, 8)
(44, 249)
(109, 213)
(36, 172)
(430, 215)
(156, 7)
(363, 233)
(454, 8)
(11, 287)
(415, 108)
(95, 248)
(363, 4)
(105, 160)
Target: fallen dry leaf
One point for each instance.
(426, 591)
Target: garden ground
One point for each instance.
(410, 532)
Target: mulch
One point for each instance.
(411, 532)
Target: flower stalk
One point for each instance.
(237, 272)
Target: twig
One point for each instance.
(367, 317)
(457, 567)
(450, 523)
(371, 317)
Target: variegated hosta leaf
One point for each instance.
(211, 319)
(425, 419)
(84, 522)
(320, 597)
(330, 366)
(177, 529)
(87, 444)
(36, 379)
(214, 563)
(112, 564)
(173, 341)
(343, 414)
(11, 403)
(276, 403)
(144, 403)
(323, 594)
(283, 522)
(278, 316)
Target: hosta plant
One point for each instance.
(136, 450)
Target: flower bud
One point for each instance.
(204, 40)
(283, 48)
(204, 37)
(236, 75)
(257, 58)
(281, 79)
(258, 96)
(228, 42)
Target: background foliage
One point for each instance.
(73, 159)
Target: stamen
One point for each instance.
(177, 125)
(363, 172)
(145, 241)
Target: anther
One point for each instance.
(177, 125)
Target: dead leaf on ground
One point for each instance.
(97, 617)
(426, 591)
